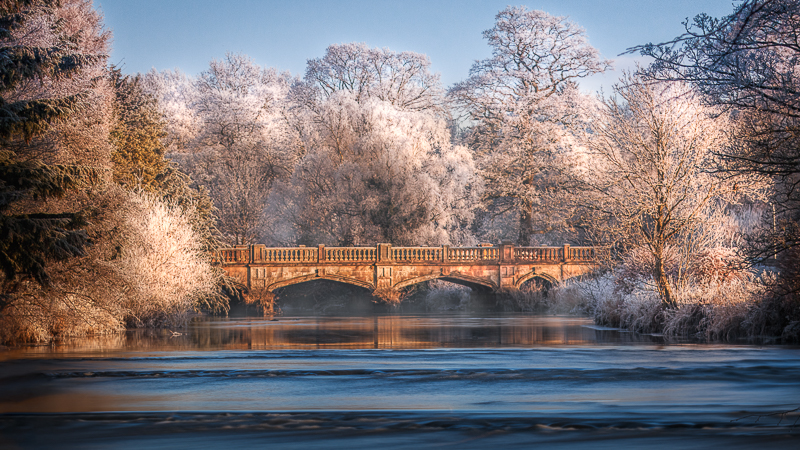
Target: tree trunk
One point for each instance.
(664, 289)
(525, 224)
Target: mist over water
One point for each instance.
(396, 381)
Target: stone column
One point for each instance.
(384, 252)
(506, 252)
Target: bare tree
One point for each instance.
(517, 102)
(748, 62)
(402, 79)
(228, 130)
(373, 173)
(646, 180)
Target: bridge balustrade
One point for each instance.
(473, 254)
(539, 253)
(444, 254)
(234, 255)
(582, 253)
(351, 254)
(285, 254)
(417, 254)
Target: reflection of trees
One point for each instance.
(381, 332)
(394, 332)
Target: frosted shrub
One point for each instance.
(571, 297)
(641, 310)
(602, 300)
(718, 265)
(530, 298)
(164, 267)
(40, 318)
(444, 296)
(637, 307)
(717, 310)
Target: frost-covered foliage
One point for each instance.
(749, 61)
(402, 79)
(713, 310)
(651, 190)
(357, 152)
(720, 310)
(716, 295)
(53, 142)
(444, 296)
(520, 104)
(378, 164)
(65, 223)
(146, 268)
(166, 272)
(374, 173)
(227, 129)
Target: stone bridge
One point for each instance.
(386, 270)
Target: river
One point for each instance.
(394, 381)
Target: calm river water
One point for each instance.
(397, 382)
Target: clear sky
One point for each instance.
(187, 34)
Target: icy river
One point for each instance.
(386, 382)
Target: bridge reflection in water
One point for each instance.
(386, 270)
(394, 332)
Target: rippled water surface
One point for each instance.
(397, 382)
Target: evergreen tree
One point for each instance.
(139, 160)
(137, 133)
(28, 241)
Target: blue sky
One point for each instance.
(187, 34)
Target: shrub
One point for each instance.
(166, 272)
(444, 296)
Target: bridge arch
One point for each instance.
(313, 277)
(532, 275)
(463, 280)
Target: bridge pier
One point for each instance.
(386, 269)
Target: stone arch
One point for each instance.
(464, 280)
(313, 277)
(533, 274)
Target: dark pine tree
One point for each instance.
(28, 241)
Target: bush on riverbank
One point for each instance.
(739, 307)
(146, 268)
(167, 274)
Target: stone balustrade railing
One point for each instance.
(473, 254)
(417, 253)
(539, 253)
(350, 254)
(386, 253)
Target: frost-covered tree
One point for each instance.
(647, 179)
(49, 63)
(227, 129)
(402, 79)
(63, 225)
(749, 63)
(139, 135)
(374, 173)
(54, 156)
(378, 164)
(518, 102)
